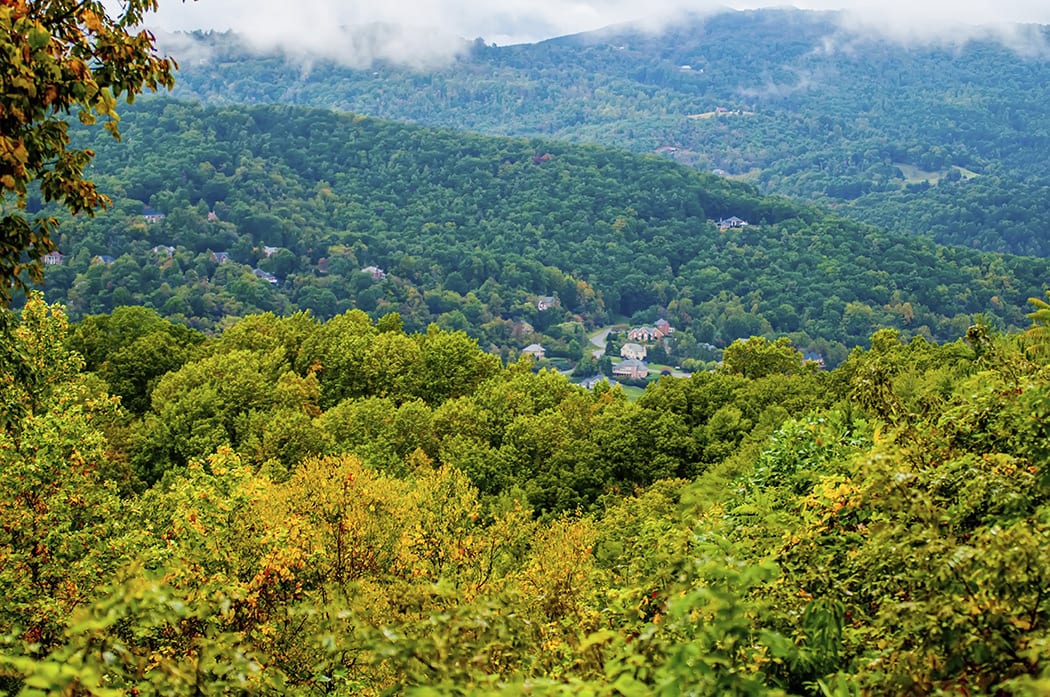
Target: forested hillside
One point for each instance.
(223, 211)
(342, 508)
(895, 134)
(281, 433)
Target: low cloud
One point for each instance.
(425, 33)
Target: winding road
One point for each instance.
(598, 339)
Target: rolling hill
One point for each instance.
(800, 106)
(221, 211)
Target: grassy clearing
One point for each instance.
(633, 393)
(749, 176)
(715, 114)
(915, 175)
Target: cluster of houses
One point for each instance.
(634, 352)
(152, 217)
(632, 365)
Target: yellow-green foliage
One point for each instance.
(883, 529)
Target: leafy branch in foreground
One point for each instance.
(59, 56)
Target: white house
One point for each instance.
(537, 351)
(632, 351)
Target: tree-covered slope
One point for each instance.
(470, 230)
(788, 99)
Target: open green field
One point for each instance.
(915, 175)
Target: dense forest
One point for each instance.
(343, 508)
(224, 211)
(891, 133)
(280, 420)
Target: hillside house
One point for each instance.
(166, 250)
(269, 251)
(546, 302)
(103, 259)
(731, 222)
(265, 276)
(632, 369)
(644, 334)
(814, 357)
(590, 382)
(664, 327)
(53, 258)
(375, 272)
(632, 351)
(151, 216)
(220, 257)
(537, 352)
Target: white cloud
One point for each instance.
(422, 32)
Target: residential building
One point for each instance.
(631, 368)
(151, 216)
(546, 302)
(537, 351)
(632, 351)
(590, 382)
(266, 276)
(644, 334)
(664, 327)
(731, 222)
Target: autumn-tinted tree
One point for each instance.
(59, 57)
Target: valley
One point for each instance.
(709, 358)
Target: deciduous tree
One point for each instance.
(61, 56)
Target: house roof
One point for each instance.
(632, 349)
(631, 367)
(590, 382)
(265, 275)
(545, 301)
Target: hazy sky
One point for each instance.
(422, 31)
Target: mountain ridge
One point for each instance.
(838, 127)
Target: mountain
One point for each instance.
(223, 211)
(789, 100)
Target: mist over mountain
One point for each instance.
(947, 139)
(266, 22)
